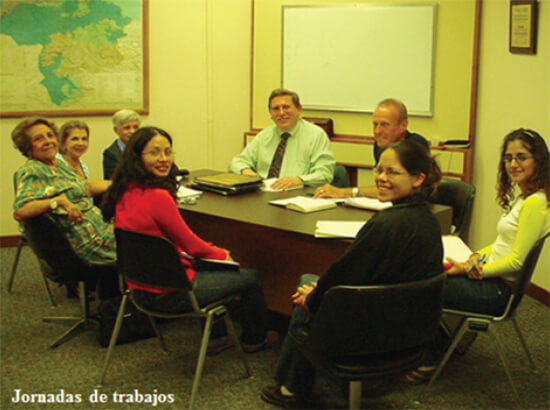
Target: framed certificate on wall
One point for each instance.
(523, 26)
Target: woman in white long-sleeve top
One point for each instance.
(483, 288)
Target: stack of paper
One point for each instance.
(455, 248)
(338, 229)
(367, 203)
(305, 204)
(184, 192)
(268, 182)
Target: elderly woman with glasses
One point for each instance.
(524, 164)
(45, 184)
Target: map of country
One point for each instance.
(80, 43)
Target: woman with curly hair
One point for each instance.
(45, 184)
(142, 198)
(524, 163)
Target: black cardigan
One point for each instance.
(399, 244)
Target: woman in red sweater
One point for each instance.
(142, 198)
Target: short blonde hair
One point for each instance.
(66, 129)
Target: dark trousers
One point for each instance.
(488, 296)
(212, 285)
(293, 370)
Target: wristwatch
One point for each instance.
(354, 192)
(53, 204)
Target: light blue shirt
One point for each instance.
(308, 154)
(121, 145)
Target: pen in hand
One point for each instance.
(480, 260)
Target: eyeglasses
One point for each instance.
(157, 153)
(390, 172)
(520, 158)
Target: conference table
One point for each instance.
(278, 242)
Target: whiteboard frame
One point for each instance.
(412, 110)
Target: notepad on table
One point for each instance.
(305, 204)
(337, 229)
(372, 204)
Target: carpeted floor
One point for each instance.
(140, 371)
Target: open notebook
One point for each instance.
(306, 204)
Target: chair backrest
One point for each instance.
(527, 270)
(50, 244)
(359, 320)
(460, 196)
(341, 178)
(149, 260)
(325, 123)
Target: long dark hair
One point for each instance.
(532, 142)
(416, 159)
(130, 171)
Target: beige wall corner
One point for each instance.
(514, 92)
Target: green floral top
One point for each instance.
(93, 240)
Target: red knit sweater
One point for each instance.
(153, 211)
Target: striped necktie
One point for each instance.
(275, 167)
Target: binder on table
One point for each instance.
(227, 184)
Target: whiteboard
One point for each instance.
(349, 58)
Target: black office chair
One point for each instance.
(341, 178)
(43, 269)
(481, 323)
(460, 196)
(372, 332)
(155, 262)
(51, 246)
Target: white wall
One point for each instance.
(514, 92)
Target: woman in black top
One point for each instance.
(399, 244)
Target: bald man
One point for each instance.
(389, 124)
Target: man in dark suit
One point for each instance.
(125, 123)
(389, 124)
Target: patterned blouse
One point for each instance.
(93, 240)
